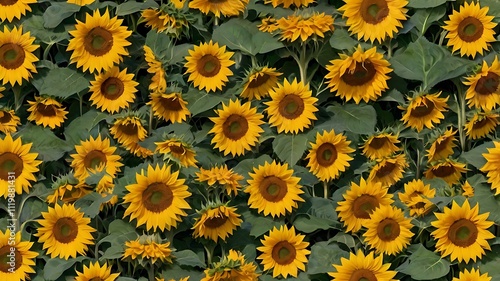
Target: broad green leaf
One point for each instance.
(423, 18)
(119, 232)
(78, 130)
(475, 156)
(57, 12)
(489, 263)
(393, 95)
(485, 197)
(45, 143)
(314, 214)
(323, 256)
(131, 7)
(32, 209)
(425, 3)
(176, 272)
(355, 118)
(189, 258)
(246, 166)
(260, 224)
(290, 148)
(424, 265)
(493, 8)
(90, 204)
(60, 82)
(344, 238)
(34, 25)
(161, 45)
(341, 40)
(54, 267)
(200, 101)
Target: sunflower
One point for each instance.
(416, 197)
(17, 61)
(380, 145)
(232, 267)
(158, 81)
(157, 199)
(236, 128)
(105, 187)
(389, 170)
(8, 121)
(81, 3)
(481, 124)
(258, 82)
(148, 248)
(467, 190)
(224, 177)
(96, 272)
(291, 108)
(113, 90)
(461, 232)
(128, 130)
(47, 111)
(374, 19)
(387, 230)
(360, 201)
(273, 189)
(219, 8)
(16, 164)
(157, 19)
(472, 275)
(138, 150)
(304, 27)
(329, 155)
(169, 106)
(208, 65)
(182, 279)
(424, 110)
(361, 267)
(178, 4)
(447, 169)
(15, 266)
(284, 251)
(442, 146)
(287, 3)
(97, 155)
(99, 42)
(64, 232)
(177, 150)
(483, 91)
(361, 76)
(216, 221)
(491, 166)
(470, 30)
(67, 189)
(11, 9)
(268, 24)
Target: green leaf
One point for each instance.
(32, 209)
(424, 265)
(189, 258)
(423, 18)
(201, 101)
(119, 232)
(90, 204)
(57, 12)
(161, 45)
(55, 267)
(131, 7)
(475, 156)
(493, 8)
(358, 119)
(48, 146)
(246, 166)
(34, 25)
(425, 3)
(485, 197)
(290, 148)
(60, 82)
(323, 256)
(344, 238)
(314, 214)
(260, 224)
(341, 40)
(78, 130)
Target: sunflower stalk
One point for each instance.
(151, 271)
(460, 99)
(325, 189)
(17, 97)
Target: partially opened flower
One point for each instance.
(178, 150)
(467, 190)
(492, 158)
(113, 90)
(158, 81)
(96, 272)
(472, 275)
(220, 8)
(287, 3)
(222, 176)
(11, 244)
(128, 130)
(442, 146)
(232, 266)
(216, 221)
(481, 124)
(447, 169)
(67, 189)
(424, 110)
(10, 9)
(360, 267)
(483, 91)
(416, 197)
(47, 112)
(169, 106)
(380, 145)
(8, 121)
(389, 170)
(148, 248)
(259, 81)
(304, 27)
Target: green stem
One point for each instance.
(303, 63)
(325, 189)
(417, 163)
(254, 61)
(151, 272)
(46, 51)
(150, 122)
(17, 97)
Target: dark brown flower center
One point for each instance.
(364, 205)
(326, 154)
(385, 170)
(65, 230)
(215, 222)
(378, 142)
(5, 117)
(10, 163)
(444, 171)
(235, 127)
(208, 65)
(273, 188)
(11, 56)
(291, 106)
(259, 80)
(177, 148)
(284, 253)
(5, 261)
(112, 88)
(422, 109)
(363, 274)
(463, 233)
(171, 104)
(98, 41)
(129, 129)
(470, 29)
(7, 2)
(96, 279)
(94, 159)
(46, 110)
(388, 229)
(441, 146)
(479, 124)
(488, 84)
(157, 197)
(362, 74)
(374, 11)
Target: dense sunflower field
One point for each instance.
(217, 140)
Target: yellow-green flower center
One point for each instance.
(112, 88)
(5, 260)
(65, 230)
(273, 188)
(470, 29)
(235, 127)
(363, 274)
(363, 73)
(374, 11)
(11, 56)
(283, 253)
(10, 163)
(364, 205)
(157, 197)
(463, 233)
(291, 106)
(208, 66)
(98, 41)
(326, 154)
(388, 229)
(94, 159)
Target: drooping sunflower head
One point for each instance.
(221, 177)
(24, 259)
(67, 189)
(287, 3)
(424, 110)
(226, 8)
(492, 158)
(268, 24)
(208, 65)
(461, 232)
(389, 170)
(169, 18)
(96, 272)
(177, 150)
(233, 266)
(237, 127)
(128, 129)
(467, 190)
(416, 197)
(291, 108)
(273, 189)
(158, 81)
(10, 9)
(284, 252)
(304, 26)
(360, 267)
(8, 121)
(380, 145)
(481, 124)
(64, 232)
(484, 86)
(472, 275)
(374, 19)
(99, 42)
(470, 30)
(360, 76)
(360, 201)
(169, 106)
(47, 112)
(216, 220)
(259, 81)
(329, 155)
(148, 248)
(442, 146)
(447, 169)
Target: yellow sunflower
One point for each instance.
(361, 76)
(68, 189)
(138, 150)
(224, 177)
(291, 108)
(178, 4)
(442, 146)
(259, 81)
(284, 252)
(96, 272)
(177, 150)
(389, 170)
(472, 275)
(99, 42)
(374, 19)
(462, 232)
(10, 9)
(8, 121)
(96, 155)
(360, 201)
(47, 112)
(64, 232)
(220, 8)
(268, 24)
(158, 81)
(236, 128)
(447, 169)
(17, 166)
(470, 30)
(182, 279)
(233, 266)
(304, 27)
(208, 65)
(361, 267)
(169, 106)
(416, 197)
(113, 90)
(380, 145)
(424, 110)
(273, 189)
(329, 155)
(216, 221)
(17, 61)
(157, 199)
(148, 248)
(128, 130)
(467, 190)
(15, 256)
(483, 91)
(481, 124)
(157, 19)
(287, 3)
(81, 3)
(388, 231)
(491, 167)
